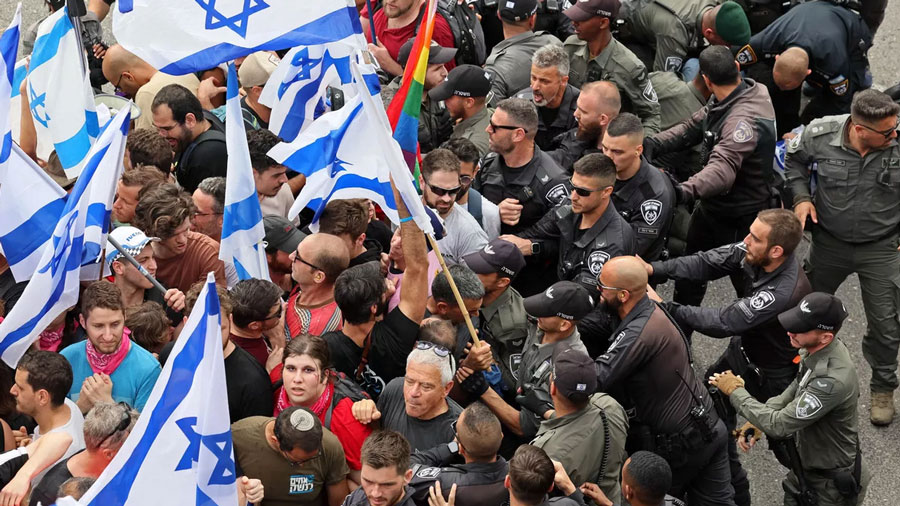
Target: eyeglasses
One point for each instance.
(456, 433)
(886, 133)
(302, 261)
(438, 350)
(167, 128)
(297, 463)
(123, 424)
(584, 192)
(465, 180)
(612, 288)
(118, 81)
(274, 316)
(206, 214)
(494, 126)
(440, 192)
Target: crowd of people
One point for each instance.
(596, 150)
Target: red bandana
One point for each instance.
(106, 363)
(319, 407)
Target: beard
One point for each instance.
(588, 133)
(763, 261)
(610, 307)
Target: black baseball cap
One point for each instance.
(517, 10)
(566, 299)
(583, 10)
(464, 81)
(500, 256)
(574, 373)
(817, 311)
(436, 53)
(282, 234)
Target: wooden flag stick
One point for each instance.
(459, 299)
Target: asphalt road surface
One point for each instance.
(880, 445)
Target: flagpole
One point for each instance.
(371, 21)
(459, 299)
(76, 10)
(136, 265)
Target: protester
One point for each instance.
(485, 212)
(282, 239)
(275, 196)
(149, 326)
(209, 202)
(385, 472)
(348, 219)
(315, 266)
(145, 146)
(257, 319)
(128, 190)
(396, 23)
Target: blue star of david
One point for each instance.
(38, 101)
(218, 444)
(238, 22)
(338, 166)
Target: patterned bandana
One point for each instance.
(106, 363)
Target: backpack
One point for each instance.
(475, 206)
(468, 36)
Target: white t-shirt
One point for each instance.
(74, 427)
(490, 217)
(462, 235)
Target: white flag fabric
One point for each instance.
(183, 36)
(74, 252)
(31, 204)
(296, 90)
(242, 224)
(9, 46)
(59, 92)
(350, 153)
(15, 105)
(180, 450)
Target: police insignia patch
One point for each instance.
(429, 472)
(795, 142)
(746, 55)
(557, 194)
(649, 93)
(515, 359)
(808, 405)
(839, 85)
(650, 210)
(673, 63)
(761, 300)
(743, 132)
(596, 261)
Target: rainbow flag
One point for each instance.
(403, 111)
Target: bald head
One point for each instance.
(791, 68)
(627, 273)
(328, 252)
(126, 70)
(606, 95)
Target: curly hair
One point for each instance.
(345, 217)
(147, 147)
(259, 142)
(149, 325)
(162, 209)
(190, 298)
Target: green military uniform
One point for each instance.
(618, 64)
(857, 203)
(510, 62)
(820, 407)
(672, 28)
(588, 439)
(678, 100)
(474, 129)
(505, 326)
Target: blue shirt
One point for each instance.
(132, 381)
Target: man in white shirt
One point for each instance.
(440, 185)
(485, 212)
(43, 379)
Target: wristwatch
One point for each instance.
(535, 248)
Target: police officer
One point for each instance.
(819, 406)
(521, 179)
(558, 310)
(760, 350)
(648, 370)
(737, 129)
(464, 94)
(504, 322)
(856, 209)
(597, 104)
(595, 54)
(435, 125)
(470, 461)
(642, 194)
(554, 97)
(510, 60)
(678, 101)
(817, 43)
(588, 430)
(676, 30)
(587, 232)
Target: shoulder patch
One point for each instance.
(761, 300)
(795, 142)
(649, 93)
(673, 63)
(746, 55)
(808, 405)
(825, 385)
(557, 195)
(429, 472)
(596, 260)
(743, 132)
(839, 85)
(651, 210)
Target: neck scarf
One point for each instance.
(319, 407)
(106, 363)
(51, 339)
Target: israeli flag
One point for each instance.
(297, 90)
(74, 252)
(180, 451)
(31, 204)
(348, 154)
(242, 226)
(9, 46)
(59, 92)
(15, 104)
(183, 36)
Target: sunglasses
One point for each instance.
(124, 423)
(440, 192)
(886, 133)
(584, 192)
(274, 316)
(611, 288)
(438, 350)
(495, 126)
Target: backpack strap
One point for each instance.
(475, 206)
(209, 135)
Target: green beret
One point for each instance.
(732, 24)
